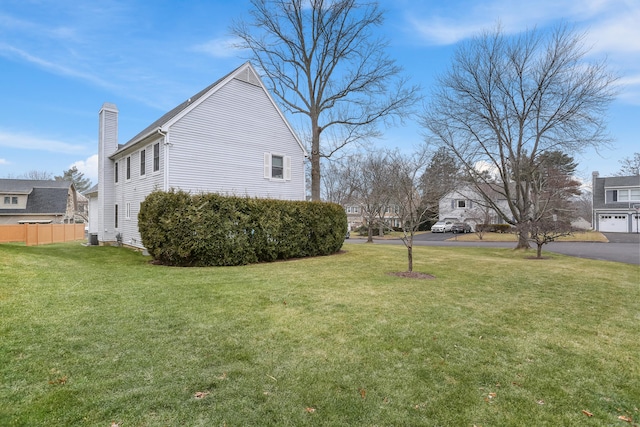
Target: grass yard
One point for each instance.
(91, 336)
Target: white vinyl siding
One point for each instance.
(130, 193)
(220, 147)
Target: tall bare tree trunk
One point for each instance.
(523, 241)
(410, 256)
(315, 160)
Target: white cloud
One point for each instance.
(612, 24)
(12, 52)
(89, 167)
(221, 47)
(31, 142)
(4, 162)
(611, 28)
(491, 169)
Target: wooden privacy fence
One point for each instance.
(41, 234)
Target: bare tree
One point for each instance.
(553, 187)
(372, 185)
(322, 60)
(37, 175)
(630, 166)
(338, 181)
(506, 101)
(546, 230)
(583, 206)
(412, 206)
(482, 212)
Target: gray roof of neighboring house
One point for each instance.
(45, 197)
(92, 190)
(621, 181)
(24, 186)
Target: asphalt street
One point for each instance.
(622, 247)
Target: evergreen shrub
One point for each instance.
(182, 229)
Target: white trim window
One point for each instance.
(156, 157)
(115, 172)
(143, 162)
(622, 195)
(277, 167)
(128, 163)
(128, 210)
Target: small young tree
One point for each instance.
(545, 230)
(482, 212)
(553, 187)
(412, 205)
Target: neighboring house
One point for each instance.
(38, 201)
(357, 215)
(466, 205)
(230, 138)
(616, 203)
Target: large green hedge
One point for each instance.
(182, 229)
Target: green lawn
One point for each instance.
(91, 336)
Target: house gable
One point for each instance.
(218, 141)
(245, 73)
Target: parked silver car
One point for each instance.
(442, 226)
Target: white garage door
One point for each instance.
(613, 223)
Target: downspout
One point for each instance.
(165, 175)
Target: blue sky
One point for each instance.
(61, 60)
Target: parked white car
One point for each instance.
(442, 226)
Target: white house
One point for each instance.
(616, 203)
(466, 204)
(230, 138)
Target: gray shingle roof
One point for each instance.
(45, 197)
(24, 186)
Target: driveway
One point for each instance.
(622, 247)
